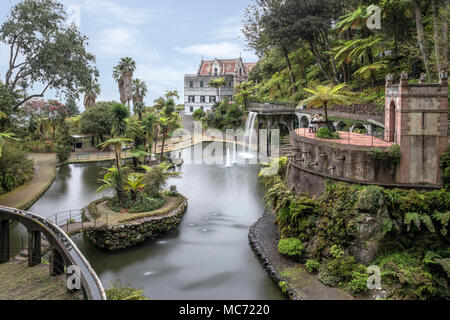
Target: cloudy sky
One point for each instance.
(166, 38)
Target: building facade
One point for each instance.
(198, 94)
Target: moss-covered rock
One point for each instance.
(132, 233)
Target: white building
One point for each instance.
(198, 94)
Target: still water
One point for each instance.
(208, 257)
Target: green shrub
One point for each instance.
(283, 286)
(326, 133)
(199, 115)
(121, 292)
(358, 284)
(291, 247)
(312, 266)
(445, 165)
(15, 167)
(63, 152)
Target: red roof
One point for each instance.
(226, 67)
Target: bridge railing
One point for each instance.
(90, 280)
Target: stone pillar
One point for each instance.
(34, 248)
(4, 241)
(56, 263)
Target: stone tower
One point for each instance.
(417, 120)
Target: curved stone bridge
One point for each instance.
(63, 252)
(270, 116)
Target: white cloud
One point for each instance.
(116, 12)
(227, 29)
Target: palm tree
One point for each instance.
(168, 121)
(159, 103)
(149, 124)
(325, 96)
(139, 109)
(218, 83)
(139, 91)
(90, 94)
(120, 114)
(123, 74)
(117, 143)
(172, 94)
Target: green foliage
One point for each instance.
(390, 156)
(290, 247)
(63, 152)
(445, 166)
(199, 115)
(358, 283)
(51, 52)
(225, 116)
(117, 291)
(98, 120)
(15, 167)
(312, 266)
(283, 286)
(326, 133)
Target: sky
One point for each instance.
(166, 38)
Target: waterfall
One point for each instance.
(228, 163)
(235, 152)
(249, 133)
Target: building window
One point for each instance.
(230, 84)
(202, 99)
(191, 99)
(191, 109)
(212, 99)
(202, 84)
(216, 72)
(191, 84)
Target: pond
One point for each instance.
(208, 257)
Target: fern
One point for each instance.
(426, 219)
(387, 226)
(443, 218)
(445, 264)
(412, 217)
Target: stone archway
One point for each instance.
(304, 121)
(342, 126)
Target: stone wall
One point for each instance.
(316, 161)
(115, 237)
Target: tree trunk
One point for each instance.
(333, 63)
(325, 109)
(291, 74)
(120, 194)
(318, 59)
(162, 147)
(445, 18)
(437, 41)
(421, 37)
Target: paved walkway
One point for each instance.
(25, 195)
(20, 282)
(350, 138)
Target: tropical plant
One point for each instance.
(117, 143)
(218, 83)
(327, 96)
(156, 177)
(91, 91)
(134, 183)
(244, 91)
(123, 74)
(139, 90)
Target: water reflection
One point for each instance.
(208, 257)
